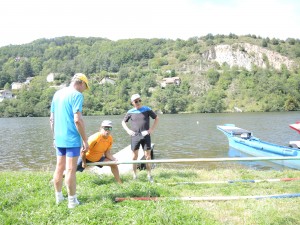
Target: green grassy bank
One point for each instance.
(28, 198)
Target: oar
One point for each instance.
(195, 160)
(212, 198)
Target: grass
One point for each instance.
(28, 198)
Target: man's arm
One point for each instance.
(52, 127)
(79, 123)
(109, 156)
(154, 125)
(52, 123)
(83, 156)
(130, 132)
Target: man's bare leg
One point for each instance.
(70, 177)
(148, 165)
(115, 172)
(58, 173)
(135, 154)
(58, 178)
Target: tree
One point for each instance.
(291, 104)
(7, 86)
(264, 43)
(211, 103)
(213, 76)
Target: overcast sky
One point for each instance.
(23, 21)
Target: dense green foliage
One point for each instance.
(28, 198)
(138, 66)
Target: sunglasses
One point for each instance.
(137, 101)
(107, 128)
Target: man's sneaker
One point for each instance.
(150, 179)
(59, 199)
(73, 203)
(134, 176)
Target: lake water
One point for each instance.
(26, 143)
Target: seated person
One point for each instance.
(100, 145)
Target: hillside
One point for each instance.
(217, 73)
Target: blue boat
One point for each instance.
(244, 141)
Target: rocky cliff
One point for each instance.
(245, 55)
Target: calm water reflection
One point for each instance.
(26, 143)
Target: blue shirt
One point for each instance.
(66, 102)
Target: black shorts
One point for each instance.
(144, 141)
(79, 163)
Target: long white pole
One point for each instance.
(194, 160)
(238, 181)
(211, 198)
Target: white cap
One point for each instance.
(134, 97)
(106, 123)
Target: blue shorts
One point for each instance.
(70, 152)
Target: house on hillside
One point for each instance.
(16, 85)
(57, 87)
(50, 77)
(28, 80)
(5, 94)
(107, 80)
(170, 80)
(19, 85)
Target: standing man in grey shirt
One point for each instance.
(140, 131)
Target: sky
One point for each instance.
(23, 21)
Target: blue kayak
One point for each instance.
(244, 141)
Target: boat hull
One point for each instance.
(256, 147)
(126, 155)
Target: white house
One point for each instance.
(16, 85)
(5, 94)
(50, 77)
(170, 80)
(107, 80)
(28, 80)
